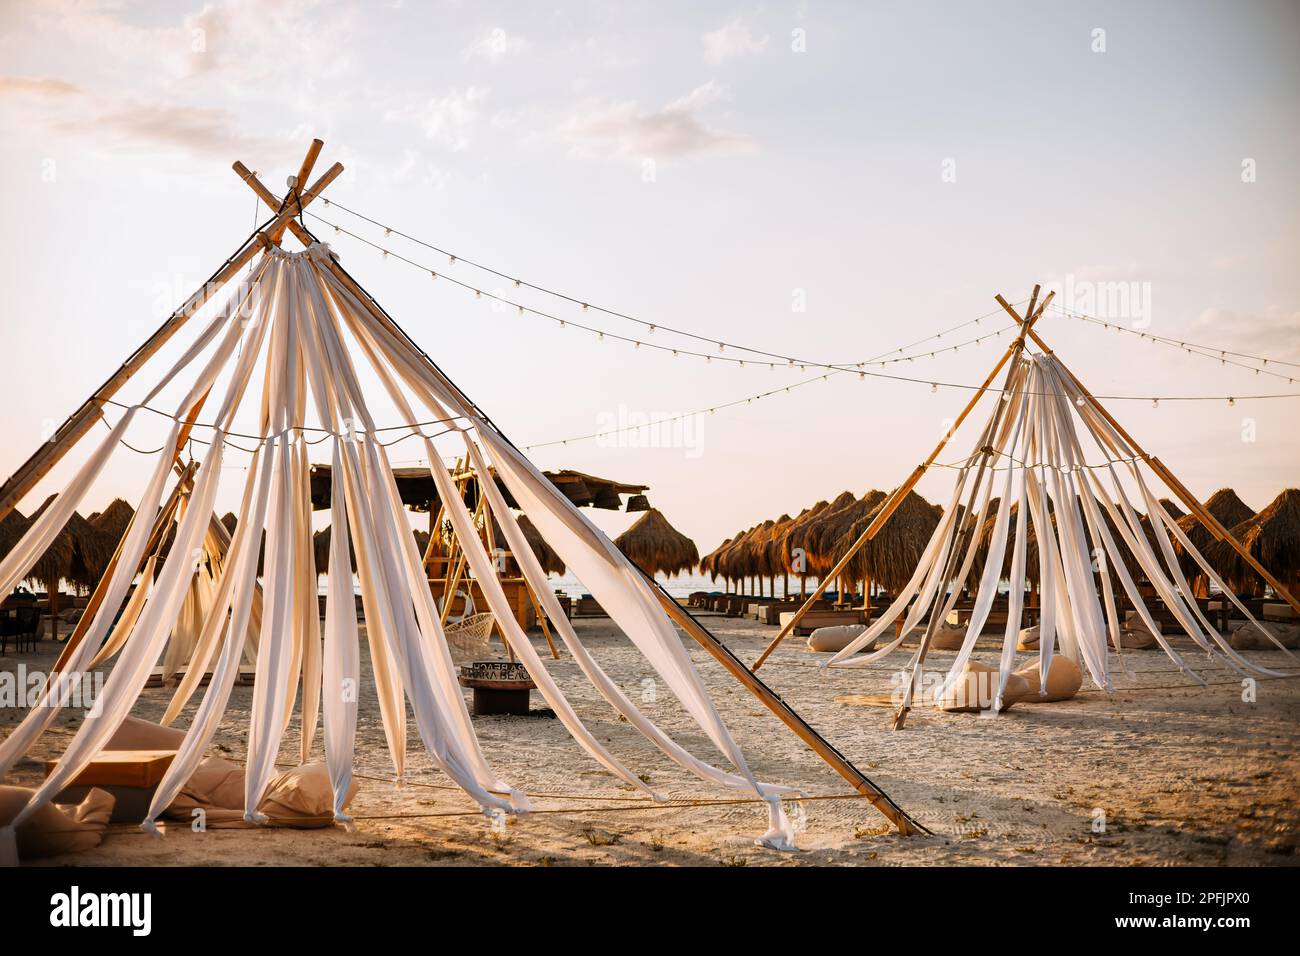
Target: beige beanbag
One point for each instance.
(1063, 680)
(1135, 638)
(978, 686)
(1029, 638)
(1246, 637)
(948, 637)
(55, 829)
(835, 638)
(137, 734)
(300, 798)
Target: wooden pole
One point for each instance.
(818, 744)
(890, 505)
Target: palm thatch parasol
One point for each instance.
(546, 556)
(1273, 539)
(893, 554)
(92, 550)
(796, 543)
(823, 535)
(770, 560)
(320, 546)
(114, 519)
(230, 520)
(52, 566)
(1229, 511)
(12, 528)
(657, 546)
(709, 563)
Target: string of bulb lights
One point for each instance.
(1191, 348)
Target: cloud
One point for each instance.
(446, 120)
(1274, 333)
(124, 123)
(262, 47)
(495, 45)
(730, 40)
(673, 132)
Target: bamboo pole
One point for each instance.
(81, 421)
(890, 505)
(818, 744)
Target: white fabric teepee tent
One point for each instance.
(316, 331)
(1056, 461)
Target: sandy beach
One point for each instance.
(1184, 775)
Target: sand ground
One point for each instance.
(1182, 774)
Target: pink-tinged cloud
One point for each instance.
(674, 132)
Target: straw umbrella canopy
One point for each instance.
(56, 563)
(797, 539)
(92, 550)
(745, 559)
(1228, 509)
(1273, 539)
(657, 546)
(320, 546)
(893, 554)
(710, 562)
(114, 519)
(546, 556)
(824, 534)
(229, 521)
(12, 528)
(770, 560)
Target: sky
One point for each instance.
(827, 181)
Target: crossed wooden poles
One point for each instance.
(1026, 324)
(268, 236)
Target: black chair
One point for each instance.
(21, 624)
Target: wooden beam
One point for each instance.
(818, 744)
(308, 163)
(83, 419)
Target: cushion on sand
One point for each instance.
(1135, 638)
(137, 734)
(835, 638)
(1246, 637)
(948, 637)
(300, 798)
(1063, 680)
(976, 688)
(1029, 638)
(55, 829)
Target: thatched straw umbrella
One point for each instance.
(1273, 539)
(770, 560)
(657, 546)
(92, 550)
(12, 528)
(793, 550)
(893, 554)
(1229, 511)
(750, 552)
(114, 519)
(52, 567)
(230, 520)
(710, 562)
(824, 536)
(546, 556)
(320, 546)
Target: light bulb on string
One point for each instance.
(1155, 403)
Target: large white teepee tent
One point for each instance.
(317, 331)
(1050, 451)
